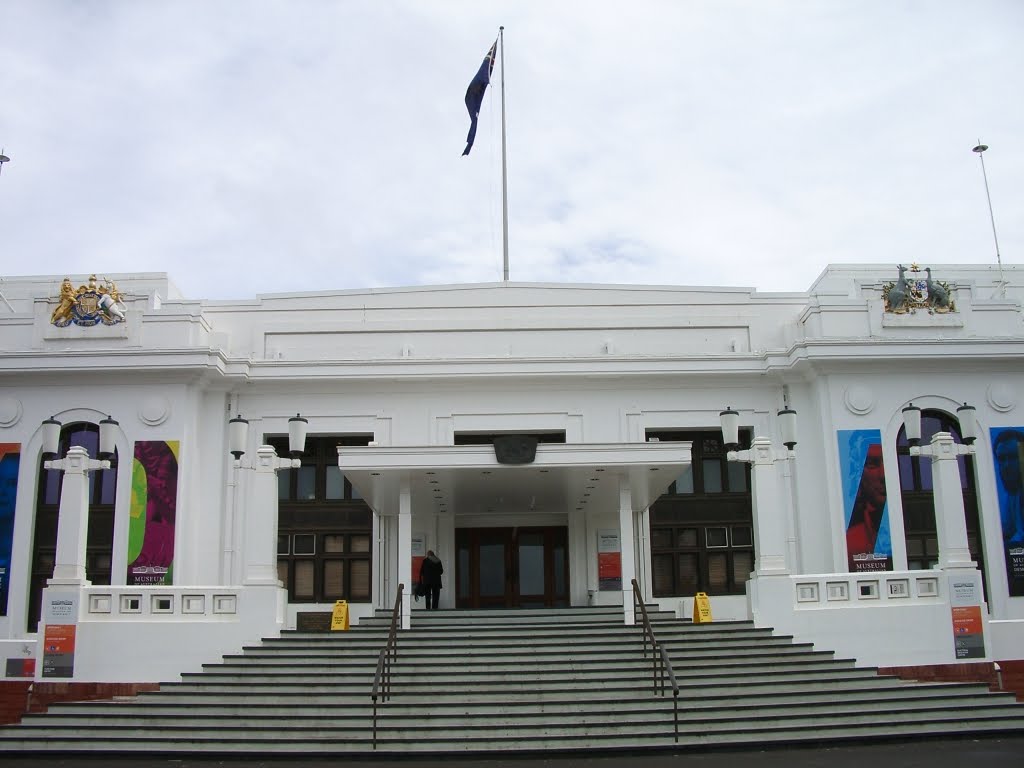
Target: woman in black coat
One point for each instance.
(430, 579)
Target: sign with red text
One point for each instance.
(965, 604)
(60, 618)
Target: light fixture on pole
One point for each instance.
(297, 427)
(769, 504)
(51, 429)
(730, 428)
(965, 414)
(69, 566)
(238, 436)
(968, 431)
(258, 535)
(912, 424)
(51, 438)
(731, 434)
(787, 421)
(108, 432)
(947, 490)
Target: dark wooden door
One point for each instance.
(512, 567)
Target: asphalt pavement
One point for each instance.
(988, 752)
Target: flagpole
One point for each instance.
(979, 149)
(504, 167)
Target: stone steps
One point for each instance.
(514, 682)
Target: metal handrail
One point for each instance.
(660, 664)
(388, 655)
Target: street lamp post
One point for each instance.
(769, 511)
(261, 514)
(73, 513)
(950, 521)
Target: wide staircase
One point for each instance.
(516, 681)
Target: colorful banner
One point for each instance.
(152, 513)
(10, 461)
(868, 541)
(1008, 458)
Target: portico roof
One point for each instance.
(467, 479)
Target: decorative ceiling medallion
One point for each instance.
(914, 289)
(88, 305)
(10, 411)
(859, 399)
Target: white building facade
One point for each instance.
(609, 401)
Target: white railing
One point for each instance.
(840, 590)
(155, 603)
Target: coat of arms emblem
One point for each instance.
(915, 289)
(88, 305)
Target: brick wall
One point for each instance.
(21, 696)
(1012, 675)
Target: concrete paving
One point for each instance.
(989, 752)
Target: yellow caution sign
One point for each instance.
(701, 608)
(339, 616)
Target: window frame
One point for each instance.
(703, 510)
(320, 517)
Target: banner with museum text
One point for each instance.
(868, 541)
(10, 461)
(1008, 459)
(152, 512)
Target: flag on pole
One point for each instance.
(475, 93)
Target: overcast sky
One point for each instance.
(264, 147)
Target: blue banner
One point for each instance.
(866, 509)
(1008, 458)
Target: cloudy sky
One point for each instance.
(271, 146)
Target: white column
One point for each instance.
(950, 523)
(448, 554)
(643, 567)
(789, 499)
(228, 534)
(73, 516)
(377, 575)
(770, 523)
(260, 520)
(627, 546)
(405, 550)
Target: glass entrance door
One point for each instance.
(512, 567)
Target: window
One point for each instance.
(710, 472)
(319, 479)
(702, 528)
(324, 527)
(325, 567)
